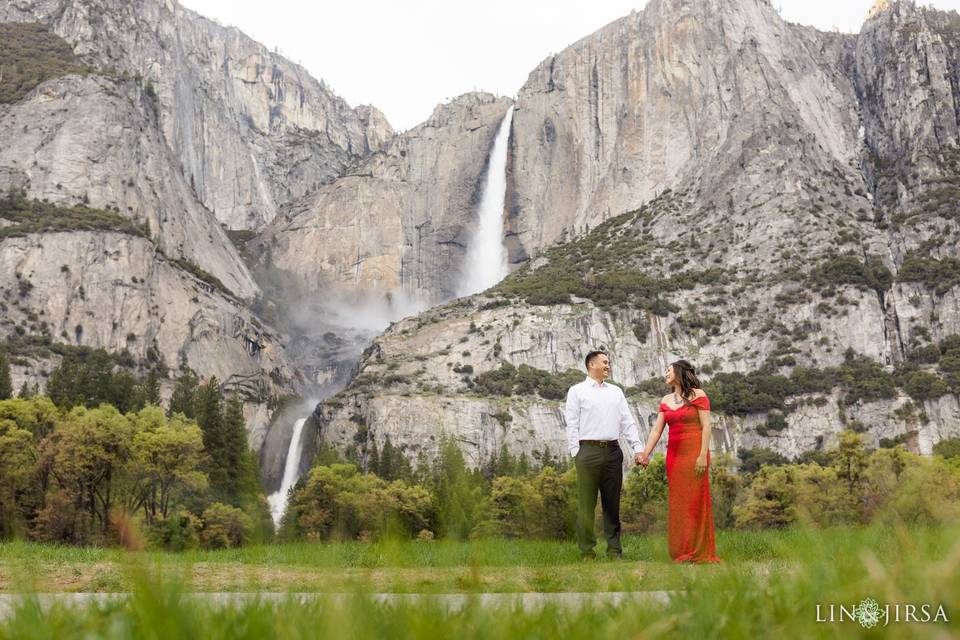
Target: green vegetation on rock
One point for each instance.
(204, 276)
(849, 269)
(29, 55)
(858, 377)
(526, 380)
(35, 216)
(602, 266)
(938, 275)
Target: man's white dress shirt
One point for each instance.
(599, 411)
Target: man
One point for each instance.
(597, 415)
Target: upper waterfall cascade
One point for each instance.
(486, 261)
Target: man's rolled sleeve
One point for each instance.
(628, 426)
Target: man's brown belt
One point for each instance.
(601, 443)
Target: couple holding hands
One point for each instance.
(597, 416)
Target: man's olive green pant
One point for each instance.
(599, 469)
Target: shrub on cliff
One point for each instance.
(35, 216)
(938, 275)
(508, 380)
(31, 54)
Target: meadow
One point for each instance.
(770, 584)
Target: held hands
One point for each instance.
(641, 459)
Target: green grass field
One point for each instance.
(769, 585)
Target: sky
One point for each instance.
(405, 57)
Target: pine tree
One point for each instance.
(147, 392)
(458, 492)
(184, 392)
(850, 459)
(243, 471)
(6, 384)
(235, 459)
(84, 377)
(25, 391)
(393, 464)
(151, 388)
(373, 460)
(388, 469)
(523, 465)
(209, 415)
(121, 391)
(506, 463)
(424, 473)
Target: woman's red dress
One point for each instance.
(690, 511)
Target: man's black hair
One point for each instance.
(591, 356)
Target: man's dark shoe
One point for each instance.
(614, 556)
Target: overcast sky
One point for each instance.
(405, 57)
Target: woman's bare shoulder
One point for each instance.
(698, 393)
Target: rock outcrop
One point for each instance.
(680, 92)
(250, 130)
(94, 140)
(416, 382)
(385, 240)
(183, 127)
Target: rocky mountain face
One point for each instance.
(680, 93)
(249, 130)
(184, 128)
(94, 140)
(116, 291)
(198, 135)
(774, 203)
(399, 222)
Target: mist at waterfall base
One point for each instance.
(328, 335)
(329, 331)
(486, 260)
(367, 314)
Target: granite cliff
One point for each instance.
(249, 129)
(399, 222)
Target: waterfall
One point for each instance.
(486, 261)
(278, 500)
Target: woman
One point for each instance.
(690, 512)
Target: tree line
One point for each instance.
(848, 485)
(98, 461)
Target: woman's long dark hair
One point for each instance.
(687, 377)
